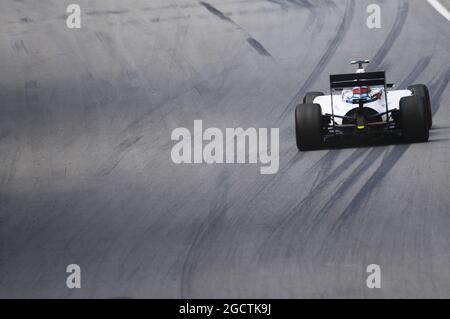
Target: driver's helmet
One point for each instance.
(362, 93)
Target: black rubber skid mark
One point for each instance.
(258, 47)
(301, 3)
(215, 11)
(303, 208)
(363, 194)
(108, 12)
(296, 3)
(346, 185)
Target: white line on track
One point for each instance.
(440, 8)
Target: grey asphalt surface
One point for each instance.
(86, 175)
(445, 3)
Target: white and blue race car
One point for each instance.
(362, 105)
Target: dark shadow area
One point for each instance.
(439, 128)
(357, 143)
(439, 140)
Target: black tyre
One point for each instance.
(413, 119)
(308, 127)
(310, 96)
(422, 90)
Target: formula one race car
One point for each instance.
(362, 105)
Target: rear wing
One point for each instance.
(340, 81)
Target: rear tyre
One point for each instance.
(308, 127)
(310, 96)
(413, 119)
(422, 90)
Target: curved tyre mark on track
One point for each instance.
(346, 185)
(396, 29)
(416, 71)
(217, 210)
(363, 195)
(314, 195)
(312, 213)
(326, 57)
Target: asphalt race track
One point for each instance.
(86, 175)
